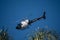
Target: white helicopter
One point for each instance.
(24, 24)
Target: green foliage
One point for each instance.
(4, 34)
(43, 34)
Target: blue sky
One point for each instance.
(16, 10)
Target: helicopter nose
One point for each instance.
(18, 27)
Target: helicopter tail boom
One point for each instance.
(44, 17)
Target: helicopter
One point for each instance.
(25, 23)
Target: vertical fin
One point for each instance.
(44, 15)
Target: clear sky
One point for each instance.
(16, 10)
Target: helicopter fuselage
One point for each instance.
(25, 23)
